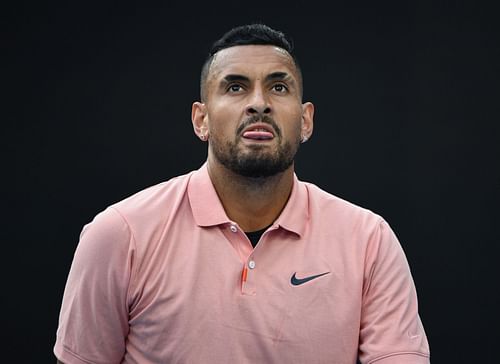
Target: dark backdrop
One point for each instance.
(97, 104)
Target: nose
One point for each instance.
(258, 103)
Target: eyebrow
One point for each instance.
(233, 78)
(275, 76)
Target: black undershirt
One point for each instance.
(254, 236)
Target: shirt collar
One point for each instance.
(208, 210)
(205, 204)
(295, 215)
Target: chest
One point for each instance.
(218, 296)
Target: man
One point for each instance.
(239, 261)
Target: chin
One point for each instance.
(259, 167)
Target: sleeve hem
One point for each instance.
(411, 357)
(66, 356)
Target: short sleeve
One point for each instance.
(391, 331)
(93, 321)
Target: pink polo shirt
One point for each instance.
(165, 276)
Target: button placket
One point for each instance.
(238, 240)
(249, 273)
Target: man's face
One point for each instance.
(253, 111)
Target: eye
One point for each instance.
(280, 88)
(234, 88)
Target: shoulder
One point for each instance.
(356, 231)
(156, 200)
(139, 215)
(158, 192)
(338, 211)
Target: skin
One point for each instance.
(266, 83)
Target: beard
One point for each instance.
(259, 161)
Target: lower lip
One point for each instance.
(257, 141)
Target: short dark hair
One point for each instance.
(252, 34)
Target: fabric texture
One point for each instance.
(165, 277)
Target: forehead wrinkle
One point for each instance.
(258, 53)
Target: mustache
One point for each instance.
(259, 118)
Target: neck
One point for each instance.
(253, 203)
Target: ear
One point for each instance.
(199, 120)
(307, 120)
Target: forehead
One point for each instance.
(251, 60)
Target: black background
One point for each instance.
(97, 102)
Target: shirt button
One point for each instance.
(233, 228)
(251, 264)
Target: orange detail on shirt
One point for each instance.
(244, 275)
